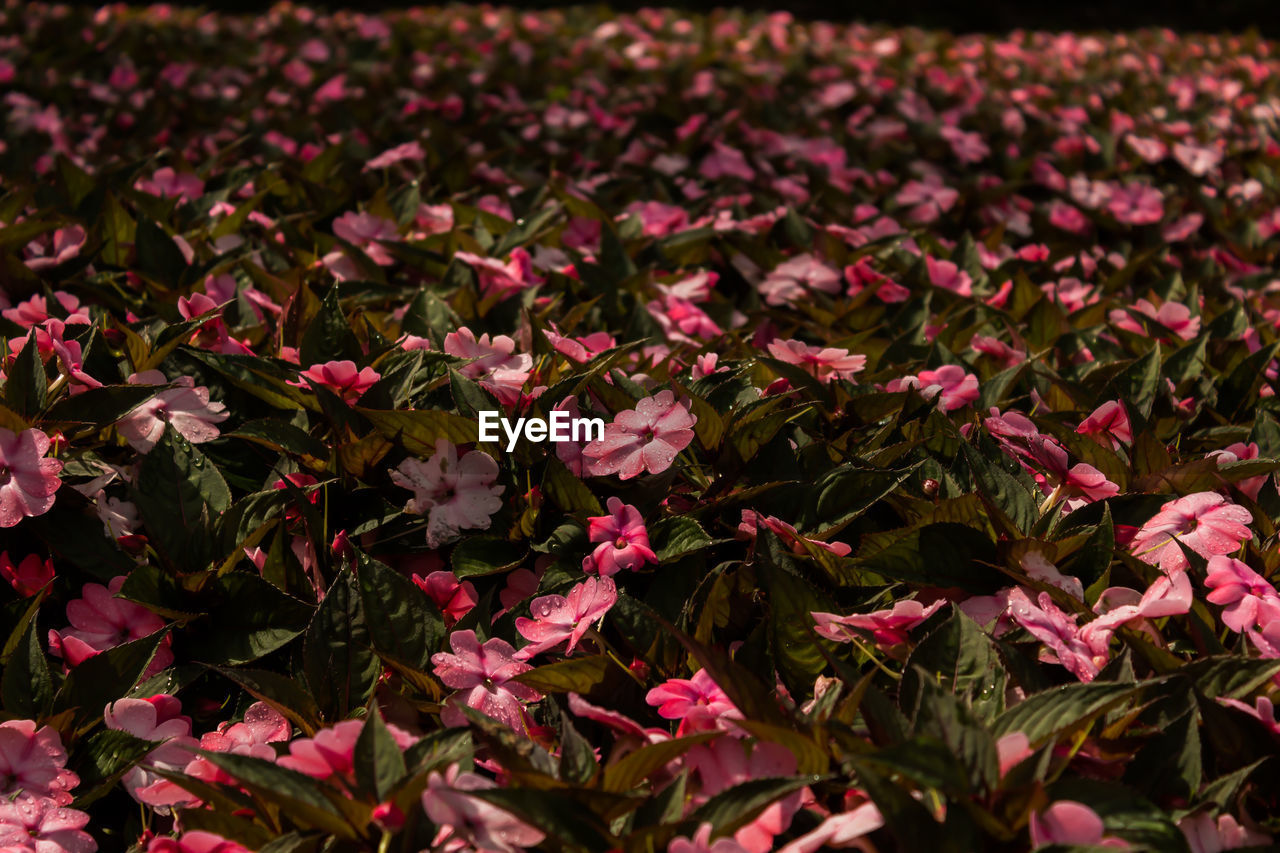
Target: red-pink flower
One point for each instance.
(1136, 204)
(787, 533)
(1174, 316)
(196, 841)
(1205, 522)
(502, 279)
(186, 408)
(1058, 631)
(41, 825)
(726, 762)
(454, 598)
(646, 438)
(365, 231)
(27, 577)
(824, 363)
(1069, 822)
(698, 703)
(455, 493)
(331, 753)
(950, 385)
(495, 364)
(1248, 599)
(557, 618)
(701, 842)
(100, 621)
(483, 676)
(341, 378)
(28, 481)
(624, 541)
(34, 762)
(1108, 424)
(262, 726)
(887, 627)
(948, 276)
(462, 816)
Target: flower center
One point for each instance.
(620, 543)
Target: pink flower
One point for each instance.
(1204, 835)
(681, 320)
(949, 384)
(948, 276)
(100, 621)
(455, 599)
(34, 762)
(1079, 484)
(624, 541)
(659, 219)
(698, 703)
(331, 753)
(1262, 710)
(400, 153)
(557, 618)
(787, 533)
(725, 161)
(794, 278)
(367, 231)
(41, 825)
(647, 437)
(1136, 204)
(483, 674)
(261, 727)
(1199, 160)
(502, 279)
(1058, 631)
(434, 218)
(28, 481)
(27, 577)
(1174, 316)
(887, 627)
(341, 378)
(186, 408)
(726, 762)
(66, 244)
(1109, 424)
(463, 816)
(455, 493)
(701, 843)
(1248, 599)
(824, 363)
(196, 841)
(35, 311)
(1069, 822)
(1239, 452)
(1205, 522)
(158, 718)
(495, 364)
(167, 183)
(839, 830)
(1013, 749)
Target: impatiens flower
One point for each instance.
(461, 816)
(367, 231)
(499, 369)
(948, 276)
(502, 279)
(331, 753)
(41, 825)
(1248, 599)
(1069, 822)
(726, 762)
(454, 598)
(157, 718)
(624, 541)
(168, 183)
(1205, 522)
(400, 153)
(340, 377)
(887, 627)
(455, 493)
(557, 618)
(482, 675)
(1205, 835)
(28, 481)
(698, 703)
(1240, 452)
(794, 278)
(1108, 424)
(196, 841)
(787, 533)
(1136, 204)
(34, 762)
(262, 726)
(646, 438)
(35, 310)
(824, 363)
(100, 621)
(949, 385)
(1057, 630)
(186, 408)
(701, 843)
(1174, 316)
(1262, 710)
(27, 577)
(66, 244)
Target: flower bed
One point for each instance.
(924, 494)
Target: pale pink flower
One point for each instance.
(186, 408)
(41, 825)
(1247, 598)
(557, 618)
(454, 598)
(34, 762)
(707, 364)
(1136, 204)
(838, 831)
(331, 753)
(824, 363)
(1168, 595)
(949, 385)
(1240, 452)
(1205, 522)
(459, 815)
(35, 310)
(794, 278)
(28, 481)
(367, 232)
(948, 276)
(646, 438)
(1012, 749)
(1008, 355)
(624, 541)
(1174, 316)
(1070, 822)
(889, 628)
(502, 279)
(1205, 835)
(340, 377)
(455, 493)
(157, 718)
(1199, 160)
(66, 244)
(725, 161)
(698, 703)
(482, 675)
(1108, 424)
(1058, 631)
(494, 364)
(100, 621)
(726, 762)
(27, 577)
(434, 218)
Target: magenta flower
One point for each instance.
(483, 676)
(41, 825)
(887, 627)
(341, 378)
(186, 408)
(1205, 522)
(455, 493)
(1069, 822)
(646, 438)
(454, 598)
(495, 364)
(624, 541)
(557, 618)
(28, 481)
(34, 762)
(27, 577)
(950, 385)
(1248, 599)
(502, 279)
(1108, 424)
(824, 363)
(365, 231)
(698, 703)
(463, 817)
(100, 621)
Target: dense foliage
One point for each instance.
(934, 508)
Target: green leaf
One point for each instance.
(279, 435)
(960, 658)
(942, 554)
(1137, 384)
(27, 687)
(328, 336)
(158, 256)
(26, 385)
(404, 625)
(1124, 812)
(105, 677)
(418, 430)
(1229, 677)
(379, 763)
(577, 757)
(635, 767)
(796, 649)
(845, 493)
(100, 406)
(107, 756)
(486, 555)
(338, 659)
(298, 795)
(567, 491)
(252, 619)
(1048, 713)
(575, 675)
(177, 491)
(560, 816)
(735, 807)
(675, 536)
(284, 694)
